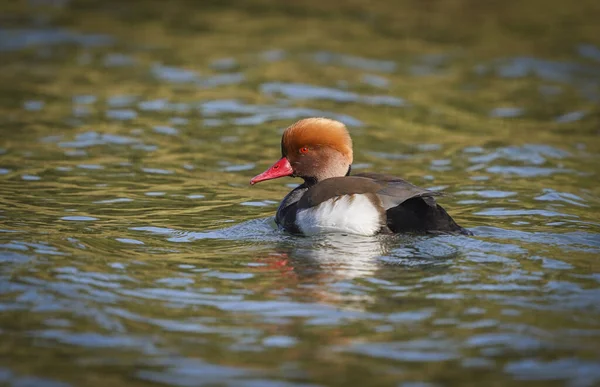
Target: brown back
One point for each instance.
(391, 190)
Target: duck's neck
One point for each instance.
(313, 180)
(310, 181)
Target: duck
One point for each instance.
(332, 200)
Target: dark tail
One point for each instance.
(422, 215)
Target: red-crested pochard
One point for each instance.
(319, 151)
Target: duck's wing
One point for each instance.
(390, 190)
(338, 187)
(394, 191)
(410, 208)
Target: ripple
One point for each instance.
(90, 166)
(121, 101)
(589, 51)
(12, 257)
(33, 106)
(490, 194)
(187, 372)
(179, 121)
(30, 177)
(166, 130)
(526, 171)
(259, 229)
(578, 372)
(265, 203)
(224, 64)
(559, 71)
(571, 117)
(536, 154)
(173, 74)
(553, 264)
(260, 114)
(81, 111)
(85, 99)
(76, 218)
(506, 112)
(411, 317)
(239, 167)
(175, 281)
(504, 212)
(118, 60)
(222, 80)
(17, 39)
(375, 81)
(157, 171)
(155, 105)
(551, 195)
(410, 351)
(144, 147)
(121, 114)
(305, 91)
(229, 276)
(567, 239)
(280, 341)
(272, 55)
(429, 64)
(90, 139)
(28, 381)
(111, 201)
(510, 340)
(325, 57)
(96, 340)
(129, 241)
(389, 156)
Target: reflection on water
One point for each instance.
(133, 251)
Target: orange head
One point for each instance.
(313, 149)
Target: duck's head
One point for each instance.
(314, 149)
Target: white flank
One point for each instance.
(341, 215)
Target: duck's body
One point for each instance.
(363, 204)
(332, 201)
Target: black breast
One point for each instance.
(286, 213)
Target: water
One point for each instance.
(134, 252)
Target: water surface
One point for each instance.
(134, 252)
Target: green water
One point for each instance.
(133, 251)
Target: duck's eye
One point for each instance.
(304, 149)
